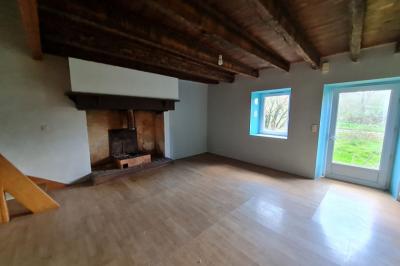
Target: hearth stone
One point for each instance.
(100, 176)
(126, 161)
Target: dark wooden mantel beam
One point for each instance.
(98, 101)
(30, 22)
(357, 11)
(154, 35)
(200, 20)
(275, 15)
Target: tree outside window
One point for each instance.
(276, 113)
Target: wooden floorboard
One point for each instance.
(209, 210)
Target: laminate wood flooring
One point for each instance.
(209, 210)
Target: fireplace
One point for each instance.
(124, 139)
(122, 143)
(123, 131)
(124, 149)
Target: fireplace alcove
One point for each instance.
(126, 134)
(122, 142)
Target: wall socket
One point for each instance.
(314, 128)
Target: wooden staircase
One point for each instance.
(24, 190)
(46, 184)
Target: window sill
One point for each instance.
(269, 136)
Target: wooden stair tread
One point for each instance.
(49, 184)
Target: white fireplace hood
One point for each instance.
(100, 78)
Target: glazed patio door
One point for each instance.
(362, 135)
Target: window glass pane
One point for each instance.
(360, 128)
(276, 114)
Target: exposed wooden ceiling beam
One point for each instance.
(275, 15)
(30, 21)
(146, 32)
(101, 57)
(201, 20)
(95, 42)
(357, 10)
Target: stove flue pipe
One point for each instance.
(131, 119)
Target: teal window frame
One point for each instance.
(257, 110)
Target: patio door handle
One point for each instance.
(332, 138)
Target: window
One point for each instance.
(270, 113)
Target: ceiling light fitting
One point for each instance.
(220, 61)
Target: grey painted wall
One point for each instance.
(41, 131)
(229, 109)
(187, 125)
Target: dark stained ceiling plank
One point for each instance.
(200, 21)
(357, 11)
(155, 36)
(30, 21)
(89, 38)
(199, 31)
(278, 19)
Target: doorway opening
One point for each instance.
(359, 131)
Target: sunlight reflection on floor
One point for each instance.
(270, 213)
(346, 222)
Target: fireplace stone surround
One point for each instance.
(121, 128)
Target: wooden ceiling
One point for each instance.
(185, 38)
